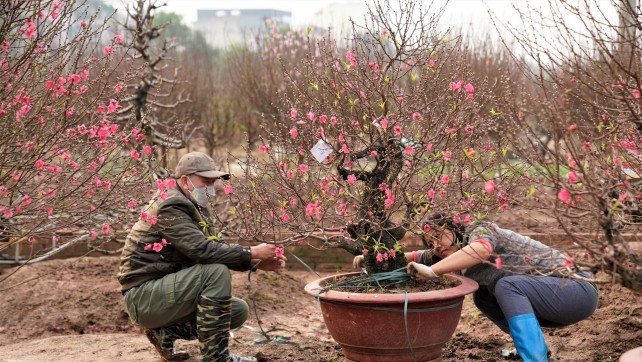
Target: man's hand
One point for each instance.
(263, 251)
(357, 262)
(421, 271)
(268, 257)
(277, 264)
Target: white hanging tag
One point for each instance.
(321, 150)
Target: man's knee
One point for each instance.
(216, 280)
(240, 311)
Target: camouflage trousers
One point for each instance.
(174, 298)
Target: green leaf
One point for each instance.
(494, 113)
(308, 30)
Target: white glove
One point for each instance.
(357, 262)
(421, 271)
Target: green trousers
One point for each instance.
(174, 298)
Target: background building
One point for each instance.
(225, 27)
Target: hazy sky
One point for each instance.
(303, 10)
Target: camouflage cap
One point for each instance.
(198, 163)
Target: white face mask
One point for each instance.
(200, 194)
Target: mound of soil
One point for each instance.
(72, 310)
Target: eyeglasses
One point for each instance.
(434, 240)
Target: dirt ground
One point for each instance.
(72, 310)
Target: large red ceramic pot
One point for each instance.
(399, 327)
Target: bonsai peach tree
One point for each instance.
(378, 129)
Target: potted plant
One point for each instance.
(365, 136)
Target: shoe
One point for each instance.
(164, 344)
(235, 358)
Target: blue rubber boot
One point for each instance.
(528, 337)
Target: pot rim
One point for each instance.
(466, 287)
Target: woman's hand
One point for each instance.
(357, 262)
(421, 271)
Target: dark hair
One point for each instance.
(438, 219)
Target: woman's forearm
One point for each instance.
(469, 256)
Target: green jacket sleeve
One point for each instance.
(179, 229)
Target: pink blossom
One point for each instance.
(379, 258)
(489, 186)
(445, 179)
(572, 127)
(39, 164)
(135, 155)
(429, 147)
(470, 89)
(148, 247)
(400, 100)
(113, 106)
(568, 262)
(498, 262)
(294, 133)
(364, 251)
(289, 174)
(345, 149)
(635, 93)
(572, 177)
(293, 113)
(323, 119)
(279, 251)
(397, 129)
(312, 116)
(469, 129)
(118, 39)
(285, 217)
(384, 123)
(447, 155)
(83, 23)
(29, 30)
(228, 189)
(431, 193)
(374, 154)
(132, 204)
(26, 200)
(93, 234)
(152, 220)
(118, 88)
(454, 86)
(264, 148)
(147, 150)
(416, 116)
(50, 85)
(50, 211)
(351, 58)
(408, 150)
(303, 168)
(101, 109)
(565, 196)
(105, 229)
(157, 247)
(313, 209)
(108, 50)
(351, 179)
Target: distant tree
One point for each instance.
(586, 82)
(68, 166)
